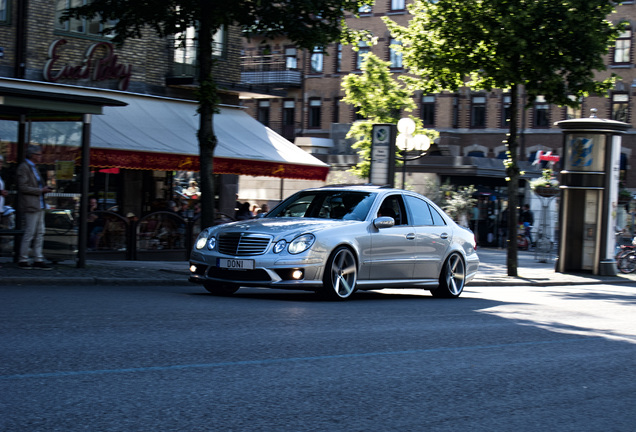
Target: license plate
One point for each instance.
(235, 264)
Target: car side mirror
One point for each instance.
(383, 222)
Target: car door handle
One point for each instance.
(444, 236)
(410, 236)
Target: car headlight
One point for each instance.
(279, 246)
(211, 243)
(301, 243)
(201, 240)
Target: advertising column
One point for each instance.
(589, 183)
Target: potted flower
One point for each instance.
(546, 185)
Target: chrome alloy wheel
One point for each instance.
(453, 277)
(341, 274)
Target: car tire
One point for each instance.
(341, 274)
(221, 289)
(452, 279)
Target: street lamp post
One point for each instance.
(407, 142)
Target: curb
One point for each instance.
(90, 281)
(525, 282)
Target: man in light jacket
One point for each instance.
(32, 189)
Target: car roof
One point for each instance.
(357, 187)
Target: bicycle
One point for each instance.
(523, 237)
(626, 258)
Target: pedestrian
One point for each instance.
(3, 192)
(243, 212)
(527, 219)
(32, 190)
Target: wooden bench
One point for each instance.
(17, 237)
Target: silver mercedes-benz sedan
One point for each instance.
(336, 240)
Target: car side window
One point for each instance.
(393, 206)
(437, 218)
(420, 211)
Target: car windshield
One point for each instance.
(328, 204)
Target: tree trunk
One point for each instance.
(207, 105)
(513, 173)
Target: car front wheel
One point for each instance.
(341, 273)
(452, 279)
(220, 289)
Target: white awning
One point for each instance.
(161, 134)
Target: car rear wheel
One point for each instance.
(220, 289)
(341, 273)
(452, 279)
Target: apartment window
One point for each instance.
(4, 11)
(336, 110)
(478, 112)
(541, 113)
(291, 61)
(314, 113)
(338, 61)
(398, 5)
(185, 49)
(573, 113)
(316, 63)
(289, 112)
(89, 27)
(363, 50)
(620, 106)
(455, 113)
(505, 111)
(262, 114)
(623, 47)
(395, 56)
(428, 111)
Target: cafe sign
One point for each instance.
(100, 63)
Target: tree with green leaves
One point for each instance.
(549, 48)
(307, 23)
(379, 98)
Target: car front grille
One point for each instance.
(243, 244)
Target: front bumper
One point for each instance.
(300, 274)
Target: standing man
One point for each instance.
(32, 189)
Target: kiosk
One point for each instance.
(589, 194)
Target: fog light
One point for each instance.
(297, 274)
(193, 268)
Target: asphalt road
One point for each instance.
(141, 358)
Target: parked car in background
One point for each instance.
(336, 240)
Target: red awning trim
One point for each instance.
(270, 169)
(105, 158)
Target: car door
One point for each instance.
(392, 249)
(432, 241)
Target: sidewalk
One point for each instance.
(492, 272)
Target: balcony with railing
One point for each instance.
(274, 69)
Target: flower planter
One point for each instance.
(547, 192)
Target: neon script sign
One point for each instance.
(100, 64)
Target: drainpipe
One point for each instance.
(21, 40)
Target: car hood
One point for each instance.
(281, 227)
